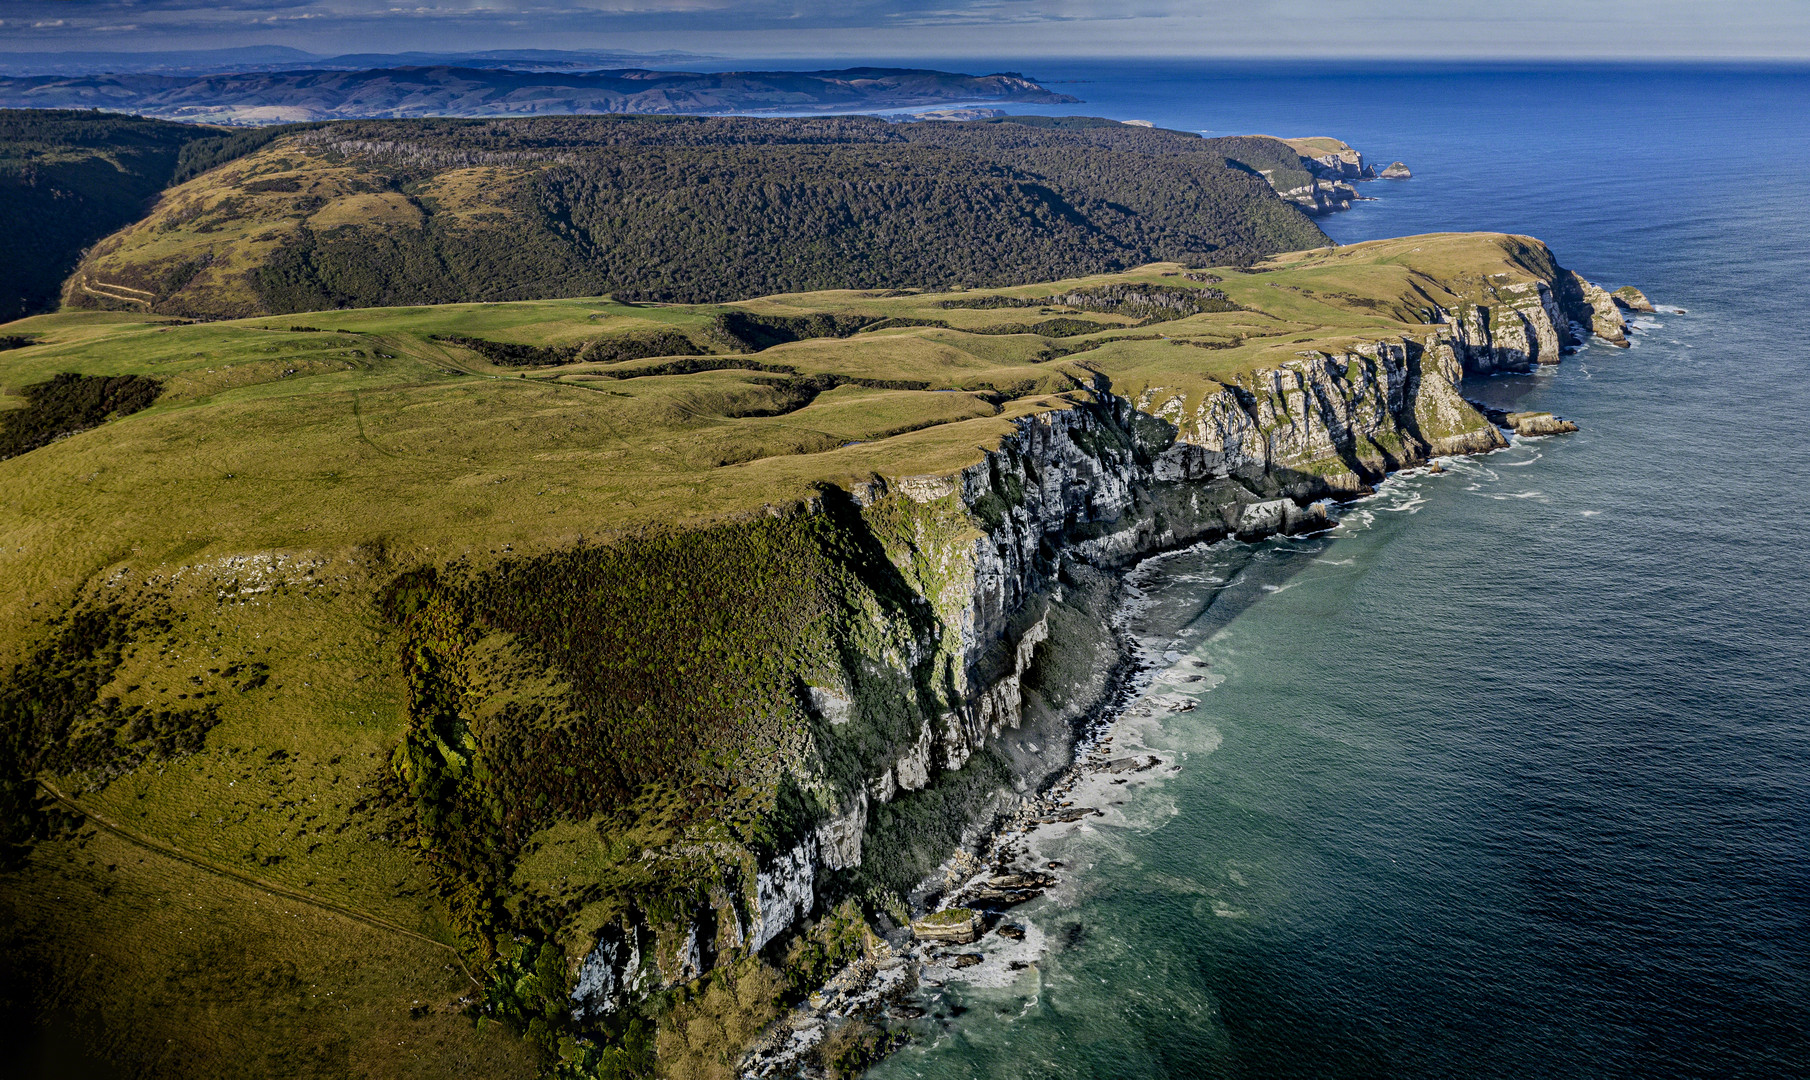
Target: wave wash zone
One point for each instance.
(417, 689)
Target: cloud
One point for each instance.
(1535, 29)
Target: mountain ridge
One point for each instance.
(305, 94)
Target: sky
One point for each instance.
(1334, 29)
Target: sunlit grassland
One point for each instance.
(203, 976)
(293, 465)
(368, 429)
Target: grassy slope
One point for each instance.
(367, 435)
(1318, 146)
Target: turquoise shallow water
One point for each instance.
(1510, 775)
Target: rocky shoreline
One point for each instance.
(972, 896)
(1333, 167)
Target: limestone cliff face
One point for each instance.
(1332, 158)
(1603, 317)
(1334, 167)
(987, 553)
(1321, 196)
(1518, 324)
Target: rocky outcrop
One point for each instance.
(1527, 423)
(785, 892)
(1331, 158)
(1603, 317)
(1632, 299)
(1334, 167)
(839, 837)
(1322, 196)
(952, 926)
(1519, 325)
(1326, 424)
(612, 973)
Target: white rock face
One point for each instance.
(786, 892)
(610, 975)
(833, 703)
(689, 956)
(1605, 319)
(839, 838)
(1522, 329)
(1446, 421)
(912, 771)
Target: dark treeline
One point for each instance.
(1156, 303)
(68, 178)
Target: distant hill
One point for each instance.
(281, 58)
(368, 213)
(263, 97)
(66, 180)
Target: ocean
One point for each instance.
(1509, 774)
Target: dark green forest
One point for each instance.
(683, 209)
(703, 209)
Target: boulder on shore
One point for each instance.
(1526, 423)
(957, 926)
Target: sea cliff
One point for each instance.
(1014, 559)
(1331, 167)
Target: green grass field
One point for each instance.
(293, 465)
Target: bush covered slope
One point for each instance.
(67, 179)
(368, 213)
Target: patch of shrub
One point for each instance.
(52, 718)
(70, 403)
(1056, 328)
(611, 350)
(752, 332)
(847, 1051)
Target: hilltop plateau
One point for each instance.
(572, 685)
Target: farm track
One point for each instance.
(173, 852)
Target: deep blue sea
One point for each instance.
(1509, 776)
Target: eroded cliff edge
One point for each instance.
(1007, 572)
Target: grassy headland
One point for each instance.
(394, 652)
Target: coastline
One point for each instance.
(883, 984)
(998, 865)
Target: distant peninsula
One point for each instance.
(302, 94)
